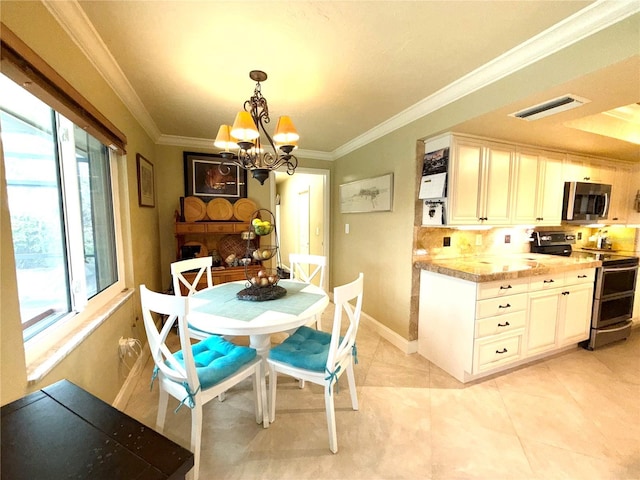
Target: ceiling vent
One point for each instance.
(551, 107)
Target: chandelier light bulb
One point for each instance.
(286, 133)
(224, 140)
(244, 128)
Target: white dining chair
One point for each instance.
(321, 357)
(197, 373)
(307, 268)
(201, 266)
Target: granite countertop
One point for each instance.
(487, 268)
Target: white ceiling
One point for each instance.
(345, 71)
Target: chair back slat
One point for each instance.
(339, 350)
(202, 264)
(300, 267)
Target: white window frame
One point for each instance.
(49, 347)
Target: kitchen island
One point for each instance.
(479, 315)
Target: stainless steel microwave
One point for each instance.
(585, 202)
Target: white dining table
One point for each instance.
(217, 310)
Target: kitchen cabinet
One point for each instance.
(499, 324)
(538, 187)
(620, 193)
(559, 310)
(586, 169)
(543, 320)
(471, 329)
(574, 317)
(480, 185)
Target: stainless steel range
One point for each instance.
(614, 290)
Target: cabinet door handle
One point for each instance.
(582, 276)
(505, 324)
(505, 288)
(504, 306)
(548, 281)
(566, 293)
(587, 178)
(504, 350)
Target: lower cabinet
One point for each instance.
(574, 308)
(473, 329)
(543, 321)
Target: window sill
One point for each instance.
(45, 362)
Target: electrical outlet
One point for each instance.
(446, 242)
(579, 235)
(507, 239)
(478, 239)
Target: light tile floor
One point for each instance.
(573, 416)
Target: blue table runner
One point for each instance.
(222, 301)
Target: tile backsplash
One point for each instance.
(429, 242)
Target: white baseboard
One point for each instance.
(129, 384)
(397, 340)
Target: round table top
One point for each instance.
(217, 310)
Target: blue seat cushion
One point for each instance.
(217, 359)
(307, 348)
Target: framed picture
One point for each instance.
(203, 178)
(146, 182)
(368, 195)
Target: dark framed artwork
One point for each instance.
(146, 182)
(203, 179)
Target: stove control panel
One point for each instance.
(552, 238)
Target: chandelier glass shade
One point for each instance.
(242, 143)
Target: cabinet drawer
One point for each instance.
(586, 275)
(501, 324)
(190, 228)
(220, 228)
(544, 282)
(501, 305)
(240, 227)
(492, 352)
(501, 288)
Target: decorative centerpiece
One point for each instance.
(262, 285)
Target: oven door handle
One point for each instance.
(617, 329)
(619, 269)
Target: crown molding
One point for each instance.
(74, 21)
(207, 143)
(588, 21)
(597, 16)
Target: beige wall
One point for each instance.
(95, 365)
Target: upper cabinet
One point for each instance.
(480, 182)
(499, 184)
(619, 212)
(585, 169)
(538, 187)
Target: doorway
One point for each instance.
(301, 203)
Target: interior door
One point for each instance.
(303, 221)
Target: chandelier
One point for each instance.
(242, 145)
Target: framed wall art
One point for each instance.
(369, 195)
(203, 179)
(146, 182)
